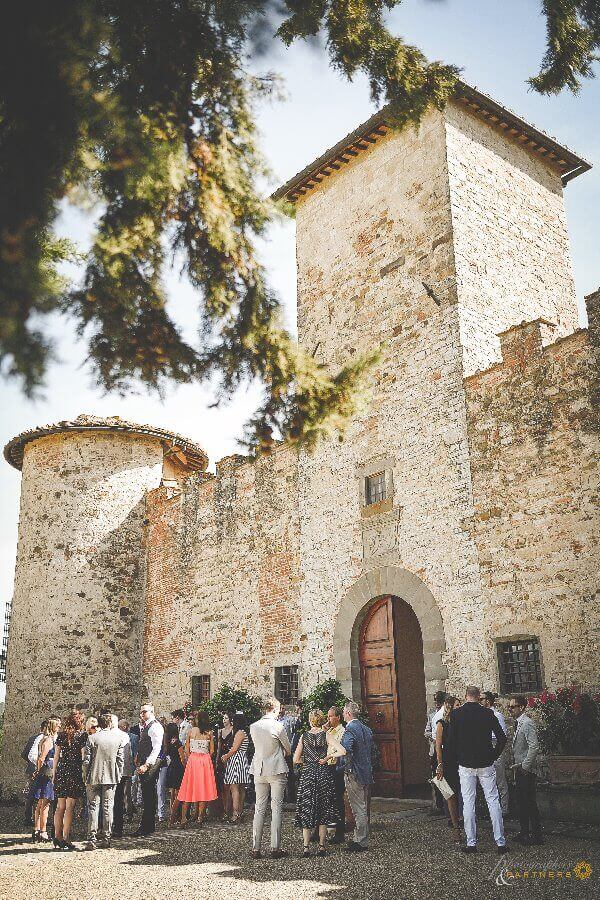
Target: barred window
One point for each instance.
(375, 488)
(4, 644)
(200, 690)
(519, 667)
(287, 685)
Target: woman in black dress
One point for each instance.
(174, 752)
(315, 801)
(447, 762)
(224, 742)
(68, 781)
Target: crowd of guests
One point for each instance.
(175, 769)
(469, 747)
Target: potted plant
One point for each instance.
(569, 731)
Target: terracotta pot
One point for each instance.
(574, 769)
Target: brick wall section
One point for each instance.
(534, 438)
(510, 238)
(222, 585)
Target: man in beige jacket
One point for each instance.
(102, 771)
(270, 770)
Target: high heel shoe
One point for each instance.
(306, 852)
(321, 851)
(58, 844)
(67, 845)
(44, 837)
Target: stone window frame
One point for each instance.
(514, 639)
(378, 465)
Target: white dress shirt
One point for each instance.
(502, 721)
(184, 729)
(431, 727)
(155, 733)
(32, 756)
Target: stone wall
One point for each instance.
(510, 237)
(222, 584)
(534, 437)
(374, 242)
(78, 605)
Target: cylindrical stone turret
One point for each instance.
(78, 605)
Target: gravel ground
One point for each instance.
(412, 856)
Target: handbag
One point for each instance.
(443, 787)
(45, 771)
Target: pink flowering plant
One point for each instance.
(569, 722)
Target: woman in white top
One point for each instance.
(198, 784)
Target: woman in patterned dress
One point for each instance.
(315, 802)
(68, 780)
(42, 787)
(224, 742)
(237, 769)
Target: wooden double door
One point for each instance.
(393, 693)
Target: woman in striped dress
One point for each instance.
(237, 769)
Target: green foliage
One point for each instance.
(229, 700)
(569, 722)
(146, 107)
(325, 695)
(573, 37)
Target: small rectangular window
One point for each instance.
(287, 685)
(375, 490)
(519, 666)
(200, 690)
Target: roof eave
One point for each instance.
(568, 164)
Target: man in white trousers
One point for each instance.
(488, 699)
(471, 729)
(270, 770)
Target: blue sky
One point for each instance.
(498, 44)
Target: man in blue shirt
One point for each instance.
(357, 741)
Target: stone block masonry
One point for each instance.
(534, 441)
(511, 245)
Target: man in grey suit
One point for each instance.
(525, 748)
(103, 761)
(270, 770)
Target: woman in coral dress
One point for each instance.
(198, 784)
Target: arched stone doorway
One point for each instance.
(388, 642)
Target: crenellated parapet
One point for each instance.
(534, 446)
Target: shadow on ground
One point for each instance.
(412, 856)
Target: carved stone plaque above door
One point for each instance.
(380, 534)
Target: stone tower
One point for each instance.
(428, 242)
(78, 606)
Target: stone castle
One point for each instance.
(448, 539)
